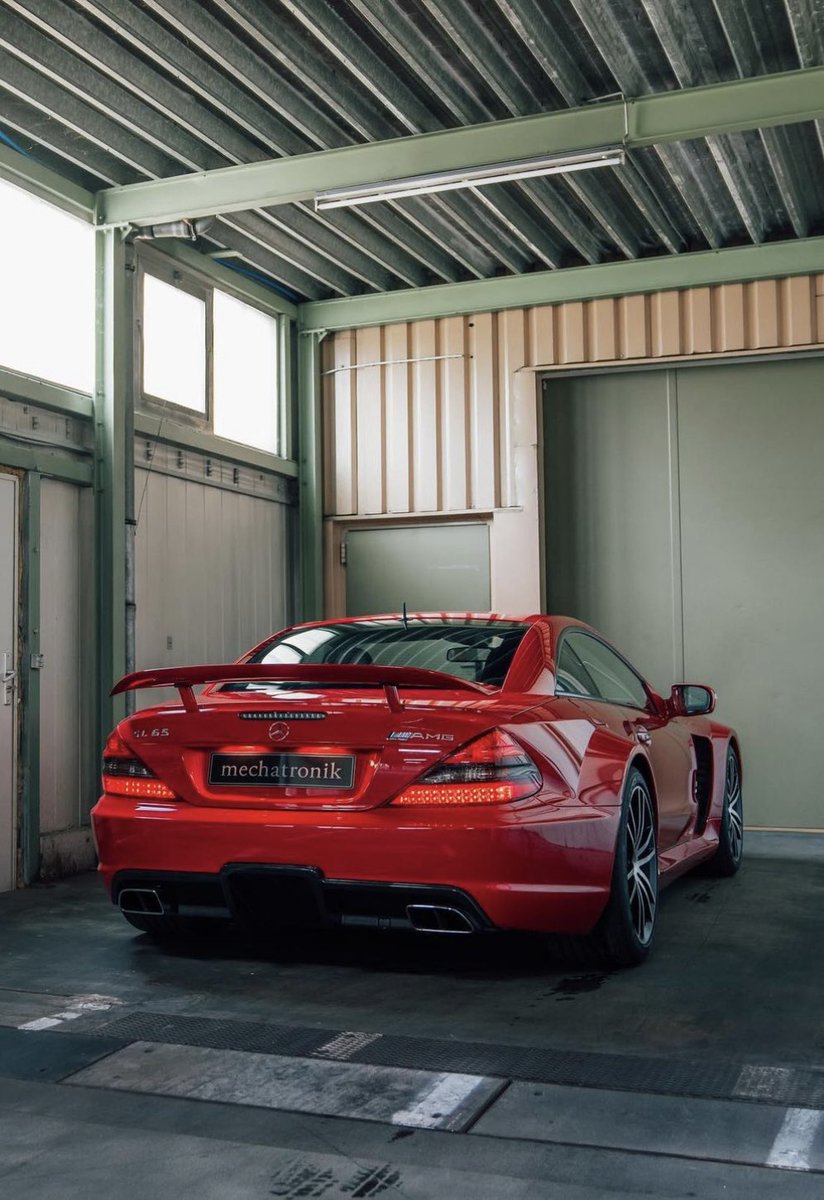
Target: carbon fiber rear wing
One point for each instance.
(185, 679)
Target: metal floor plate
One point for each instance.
(714, 1079)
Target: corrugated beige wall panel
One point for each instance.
(436, 433)
(454, 464)
(762, 314)
(483, 411)
(730, 319)
(398, 417)
(426, 443)
(369, 422)
(665, 324)
(696, 321)
(602, 330)
(516, 334)
(541, 336)
(341, 446)
(798, 311)
(571, 331)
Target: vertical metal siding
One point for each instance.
(420, 418)
(214, 570)
(67, 769)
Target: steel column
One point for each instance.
(114, 446)
(30, 680)
(310, 475)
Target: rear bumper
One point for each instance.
(543, 870)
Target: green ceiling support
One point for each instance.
(46, 461)
(772, 260)
(30, 681)
(114, 446)
(310, 512)
(27, 173)
(644, 121)
(45, 395)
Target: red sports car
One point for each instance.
(449, 773)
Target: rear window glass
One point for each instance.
(479, 651)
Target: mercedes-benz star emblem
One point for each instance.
(278, 731)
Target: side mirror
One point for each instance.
(692, 700)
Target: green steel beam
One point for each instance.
(114, 447)
(51, 463)
(644, 121)
(775, 259)
(158, 429)
(222, 277)
(45, 395)
(27, 173)
(310, 513)
(30, 672)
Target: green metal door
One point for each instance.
(430, 568)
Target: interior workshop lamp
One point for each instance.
(469, 177)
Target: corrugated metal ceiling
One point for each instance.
(114, 92)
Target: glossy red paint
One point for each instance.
(541, 863)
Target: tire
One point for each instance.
(627, 927)
(727, 858)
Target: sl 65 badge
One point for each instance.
(148, 732)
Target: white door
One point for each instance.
(8, 679)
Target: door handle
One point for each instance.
(8, 680)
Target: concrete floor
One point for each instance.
(699, 1074)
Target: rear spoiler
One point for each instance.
(185, 679)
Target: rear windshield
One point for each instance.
(479, 651)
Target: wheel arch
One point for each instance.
(644, 766)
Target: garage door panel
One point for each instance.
(608, 513)
(752, 508)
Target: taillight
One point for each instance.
(493, 769)
(125, 775)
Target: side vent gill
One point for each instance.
(703, 780)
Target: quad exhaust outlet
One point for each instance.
(436, 918)
(141, 901)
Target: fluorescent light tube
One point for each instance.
(470, 177)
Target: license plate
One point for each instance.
(282, 770)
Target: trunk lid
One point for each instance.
(346, 746)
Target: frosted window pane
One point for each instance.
(245, 374)
(174, 345)
(46, 291)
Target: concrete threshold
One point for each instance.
(724, 1131)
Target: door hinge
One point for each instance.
(343, 554)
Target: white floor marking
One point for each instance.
(436, 1101)
(41, 1023)
(345, 1044)
(792, 1146)
(764, 1083)
(80, 1005)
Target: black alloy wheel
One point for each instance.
(628, 925)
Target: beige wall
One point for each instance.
(437, 418)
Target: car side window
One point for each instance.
(572, 677)
(612, 679)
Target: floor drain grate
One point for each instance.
(716, 1079)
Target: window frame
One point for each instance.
(168, 270)
(574, 629)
